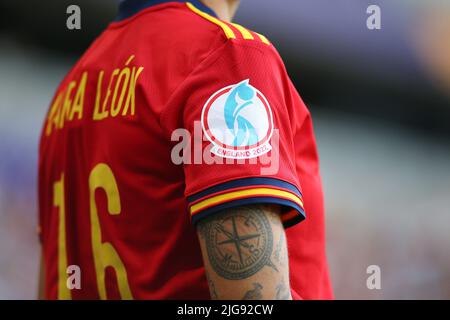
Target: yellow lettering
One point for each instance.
(97, 114)
(78, 101)
(115, 108)
(131, 91)
(67, 104)
(58, 201)
(108, 92)
(105, 255)
(53, 116)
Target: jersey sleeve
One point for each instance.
(237, 111)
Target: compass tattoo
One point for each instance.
(239, 242)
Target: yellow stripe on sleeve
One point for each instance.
(228, 32)
(245, 33)
(263, 38)
(257, 192)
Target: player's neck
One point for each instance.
(225, 9)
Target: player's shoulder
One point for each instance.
(223, 29)
(199, 28)
(192, 30)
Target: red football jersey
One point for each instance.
(169, 117)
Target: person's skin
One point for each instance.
(225, 9)
(244, 249)
(261, 226)
(245, 254)
(233, 269)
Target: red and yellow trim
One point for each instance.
(263, 39)
(248, 191)
(228, 31)
(231, 30)
(245, 33)
(241, 194)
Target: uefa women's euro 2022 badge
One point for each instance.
(238, 121)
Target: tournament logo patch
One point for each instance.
(238, 121)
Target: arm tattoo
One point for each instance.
(280, 254)
(282, 292)
(238, 242)
(277, 251)
(212, 288)
(255, 293)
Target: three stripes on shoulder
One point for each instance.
(231, 30)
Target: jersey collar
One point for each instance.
(128, 8)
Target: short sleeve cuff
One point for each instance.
(245, 192)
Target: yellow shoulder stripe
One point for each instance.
(263, 38)
(228, 32)
(245, 33)
(248, 35)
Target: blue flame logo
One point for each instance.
(239, 98)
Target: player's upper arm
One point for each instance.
(241, 125)
(234, 122)
(245, 254)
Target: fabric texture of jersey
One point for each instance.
(114, 198)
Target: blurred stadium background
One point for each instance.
(381, 105)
